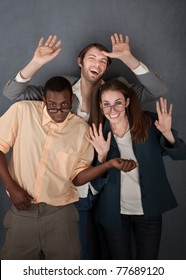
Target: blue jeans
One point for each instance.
(145, 233)
(84, 205)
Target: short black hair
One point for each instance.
(58, 84)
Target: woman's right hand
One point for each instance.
(97, 139)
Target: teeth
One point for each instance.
(95, 70)
(113, 116)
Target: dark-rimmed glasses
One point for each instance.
(55, 110)
(118, 106)
(64, 108)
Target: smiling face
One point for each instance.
(94, 65)
(113, 105)
(58, 100)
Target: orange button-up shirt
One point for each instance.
(46, 156)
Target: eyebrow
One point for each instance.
(103, 58)
(55, 101)
(114, 100)
(90, 54)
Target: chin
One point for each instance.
(58, 120)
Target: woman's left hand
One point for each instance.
(164, 122)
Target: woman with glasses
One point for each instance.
(130, 205)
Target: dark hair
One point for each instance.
(58, 84)
(88, 47)
(139, 120)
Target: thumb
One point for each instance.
(109, 137)
(106, 53)
(28, 196)
(156, 123)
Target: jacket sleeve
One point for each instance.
(176, 151)
(18, 91)
(22, 91)
(149, 88)
(99, 183)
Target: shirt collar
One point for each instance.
(77, 89)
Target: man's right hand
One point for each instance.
(47, 51)
(20, 197)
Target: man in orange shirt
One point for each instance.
(50, 156)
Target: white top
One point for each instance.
(82, 190)
(130, 198)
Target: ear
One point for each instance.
(101, 108)
(127, 102)
(44, 100)
(79, 62)
(73, 96)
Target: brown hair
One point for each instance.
(139, 120)
(96, 45)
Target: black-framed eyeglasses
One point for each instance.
(65, 108)
(118, 106)
(55, 110)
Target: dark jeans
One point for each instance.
(84, 205)
(138, 238)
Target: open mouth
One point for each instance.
(94, 71)
(114, 116)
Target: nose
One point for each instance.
(112, 107)
(59, 112)
(97, 63)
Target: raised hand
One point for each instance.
(164, 121)
(163, 124)
(47, 51)
(120, 47)
(44, 53)
(97, 139)
(121, 50)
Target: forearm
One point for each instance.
(131, 61)
(30, 69)
(4, 172)
(169, 137)
(90, 174)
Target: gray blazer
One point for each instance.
(149, 88)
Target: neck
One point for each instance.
(88, 88)
(120, 128)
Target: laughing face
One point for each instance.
(94, 65)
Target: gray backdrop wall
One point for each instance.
(158, 38)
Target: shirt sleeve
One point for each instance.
(19, 79)
(141, 69)
(85, 157)
(9, 125)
